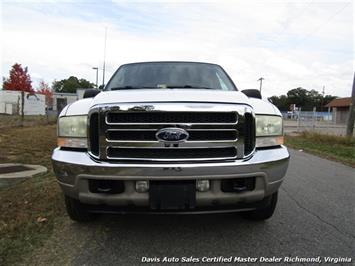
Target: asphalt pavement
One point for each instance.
(315, 217)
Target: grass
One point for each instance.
(336, 148)
(23, 204)
(8, 121)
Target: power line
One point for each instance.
(305, 7)
(291, 21)
(324, 23)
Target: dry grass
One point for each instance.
(330, 139)
(337, 148)
(22, 204)
(8, 121)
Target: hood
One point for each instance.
(82, 107)
(170, 95)
(264, 107)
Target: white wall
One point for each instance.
(70, 98)
(80, 93)
(10, 103)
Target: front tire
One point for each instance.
(265, 212)
(78, 211)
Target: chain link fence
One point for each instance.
(320, 122)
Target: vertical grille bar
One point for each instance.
(94, 133)
(249, 133)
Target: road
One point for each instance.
(314, 217)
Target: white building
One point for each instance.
(35, 104)
(10, 103)
(61, 99)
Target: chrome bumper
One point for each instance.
(73, 169)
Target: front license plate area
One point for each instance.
(172, 195)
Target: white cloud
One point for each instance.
(274, 40)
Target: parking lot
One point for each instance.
(314, 218)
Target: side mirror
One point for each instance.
(252, 93)
(91, 93)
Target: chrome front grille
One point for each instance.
(158, 117)
(149, 135)
(127, 132)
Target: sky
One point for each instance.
(290, 44)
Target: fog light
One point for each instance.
(142, 186)
(202, 185)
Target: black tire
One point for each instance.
(265, 212)
(78, 211)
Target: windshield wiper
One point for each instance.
(187, 86)
(130, 88)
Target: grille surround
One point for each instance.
(172, 153)
(213, 135)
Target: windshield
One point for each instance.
(162, 75)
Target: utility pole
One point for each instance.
(261, 83)
(22, 108)
(97, 75)
(322, 100)
(351, 118)
(104, 65)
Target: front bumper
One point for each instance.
(73, 170)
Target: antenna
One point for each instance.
(261, 83)
(104, 65)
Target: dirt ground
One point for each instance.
(30, 210)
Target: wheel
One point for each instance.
(78, 211)
(265, 212)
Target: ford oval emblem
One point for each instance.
(172, 135)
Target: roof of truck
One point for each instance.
(150, 62)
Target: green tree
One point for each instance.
(298, 96)
(328, 98)
(306, 99)
(71, 84)
(281, 102)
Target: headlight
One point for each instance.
(268, 130)
(267, 125)
(72, 131)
